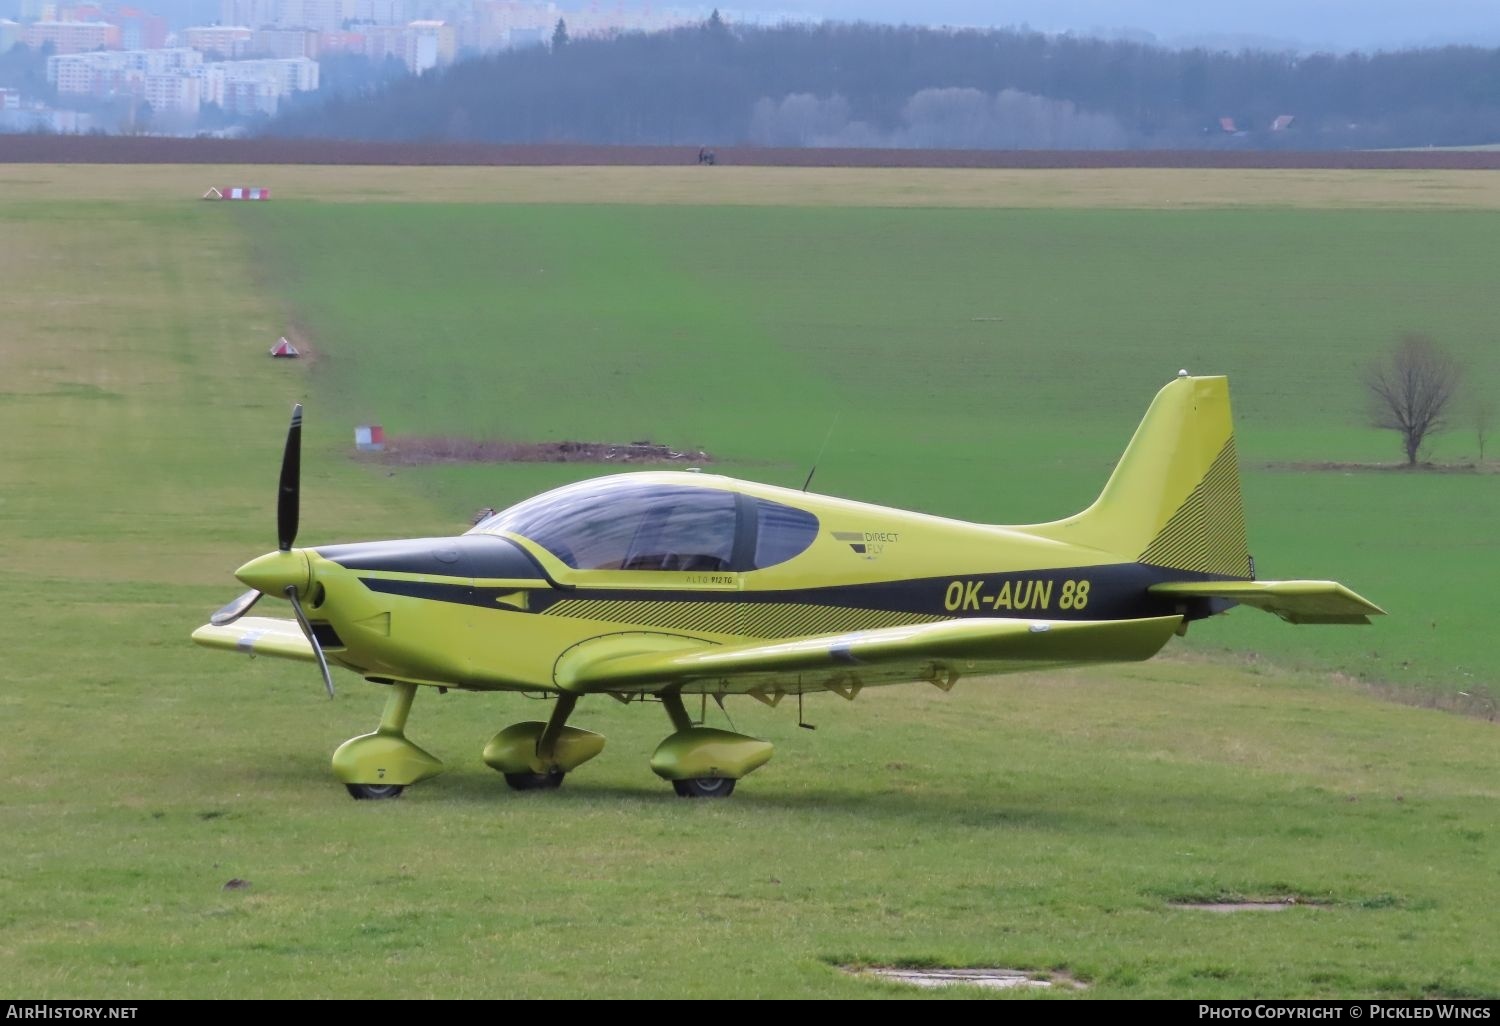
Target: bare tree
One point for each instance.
(1410, 390)
(1484, 420)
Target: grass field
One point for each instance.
(982, 363)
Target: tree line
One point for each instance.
(861, 84)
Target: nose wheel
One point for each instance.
(374, 792)
(534, 781)
(382, 764)
(704, 787)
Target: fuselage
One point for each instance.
(696, 556)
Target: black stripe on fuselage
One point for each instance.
(440, 591)
(1115, 591)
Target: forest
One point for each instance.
(889, 86)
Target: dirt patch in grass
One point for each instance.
(410, 452)
(989, 978)
(1236, 906)
(1476, 700)
(1227, 903)
(1420, 468)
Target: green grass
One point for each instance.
(982, 364)
(1034, 822)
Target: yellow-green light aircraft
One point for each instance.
(660, 585)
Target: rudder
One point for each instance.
(1174, 498)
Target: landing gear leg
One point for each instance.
(382, 764)
(546, 750)
(676, 711)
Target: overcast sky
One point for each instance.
(1345, 24)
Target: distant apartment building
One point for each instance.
(286, 43)
(180, 81)
(506, 24)
(451, 11)
(139, 29)
(382, 41)
(177, 94)
(223, 40)
(254, 13)
(258, 86)
(380, 12)
(341, 42)
(117, 72)
(294, 75)
(429, 44)
(72, 36)
(10, 34)
(321, 15)
(248, 96)
(10, 99)
(420, 45)
(38, 10)
(79, 75)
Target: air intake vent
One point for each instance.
(326, 635)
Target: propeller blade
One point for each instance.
(288, 497)
(312, 639)
(232, 611)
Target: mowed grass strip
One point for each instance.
(1113, 188)
(1037, 822)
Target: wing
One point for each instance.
(258, 636)
(1293, 601)
(937, 652)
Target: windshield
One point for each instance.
(625, 524)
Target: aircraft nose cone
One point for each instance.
(272, 572)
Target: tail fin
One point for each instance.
(1174, 498)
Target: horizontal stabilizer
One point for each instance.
(258, 636)
(1293, 601)
(888, 655)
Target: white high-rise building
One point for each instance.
(224, 40)
(109, 72)
(252, 13)
(380, 12)
(177, 94)
(322, 15)
(257, 87)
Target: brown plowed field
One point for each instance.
(41, 149)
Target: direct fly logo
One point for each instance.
(868, 544)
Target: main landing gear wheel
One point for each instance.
(535, 781)
(704, 787)
(371, 792)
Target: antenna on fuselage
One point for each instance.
(819, 458)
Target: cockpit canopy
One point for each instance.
(621, 523)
